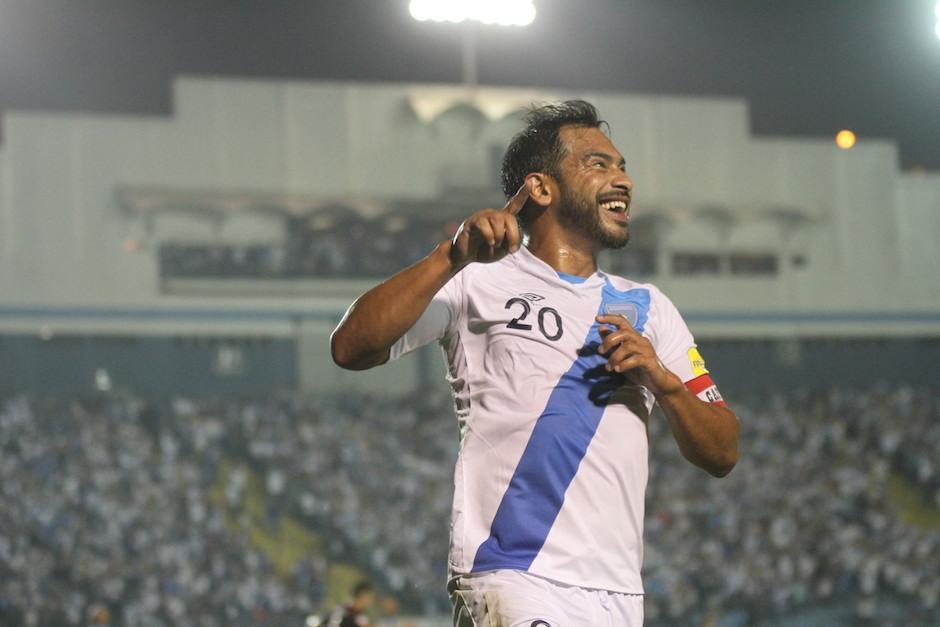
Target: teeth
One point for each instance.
(612, 205)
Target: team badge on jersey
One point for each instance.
(627, 310)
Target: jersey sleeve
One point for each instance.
(437, 322)
(677, 351)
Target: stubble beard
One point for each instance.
(583, 216)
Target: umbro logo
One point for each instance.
(530, 296)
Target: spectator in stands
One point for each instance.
(149, 511)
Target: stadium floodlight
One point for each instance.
(936, 12)
(500, 12)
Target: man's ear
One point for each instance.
(540, 188)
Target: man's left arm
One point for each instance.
(706, 432)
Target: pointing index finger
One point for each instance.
(518, 200)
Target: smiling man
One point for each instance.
(555, 367)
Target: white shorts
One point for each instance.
(511, 598)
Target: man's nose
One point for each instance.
(624, 182)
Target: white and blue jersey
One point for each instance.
(553, 463)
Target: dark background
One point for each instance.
(806, 67)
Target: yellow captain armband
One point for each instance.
(698, 364)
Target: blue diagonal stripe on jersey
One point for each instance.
(555, 449)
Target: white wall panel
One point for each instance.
(917, 216)
(184, 228)
(252, 227)
(868, 232)
(316, 136)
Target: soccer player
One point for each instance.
(555, 367)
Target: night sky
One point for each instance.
(806, 67)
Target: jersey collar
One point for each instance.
(529, 262)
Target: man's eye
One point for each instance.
(598, 164)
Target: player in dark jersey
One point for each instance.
(353, 614)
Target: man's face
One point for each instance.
(595, 189)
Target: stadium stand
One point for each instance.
(261, 511)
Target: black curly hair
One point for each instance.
(537, 147)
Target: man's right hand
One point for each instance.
(489, 234)
(378, 318)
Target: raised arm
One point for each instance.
(378, 318)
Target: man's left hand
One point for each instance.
(632, 354)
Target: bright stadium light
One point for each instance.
(936, 11)
(501, 12)
(845, 139)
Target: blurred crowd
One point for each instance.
(807, 515)
(374, 474)
(109, 517)
(106, 520)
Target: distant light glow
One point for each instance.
(500, 12)
(132, 245)
(845, 139)
(936, 11)
(102, 380)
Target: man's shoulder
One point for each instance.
(507, 270)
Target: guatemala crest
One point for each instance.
(626, 309)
